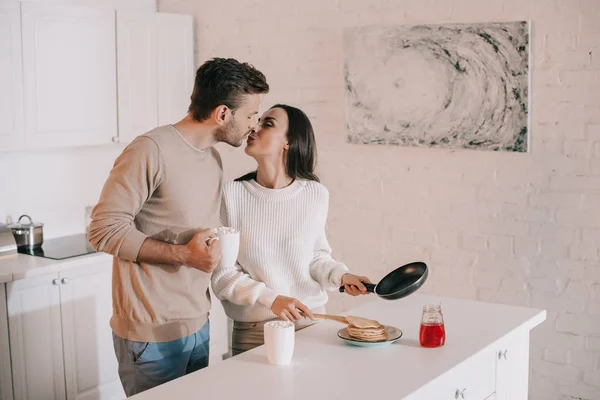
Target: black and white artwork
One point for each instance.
(452, 85)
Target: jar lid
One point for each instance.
(31, 223)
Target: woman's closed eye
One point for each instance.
(267, 122)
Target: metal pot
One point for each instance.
(28, 235)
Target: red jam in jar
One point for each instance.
(432, 333)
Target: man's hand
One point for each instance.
(289, 309)
(353, 284)
(203, 251)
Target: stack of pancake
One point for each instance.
(366, 330)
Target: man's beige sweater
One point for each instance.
(163, 188)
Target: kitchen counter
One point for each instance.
(21, 266)
(323, 365)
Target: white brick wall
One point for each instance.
(513, 228)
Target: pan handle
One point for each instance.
(370, 287)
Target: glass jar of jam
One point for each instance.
(432, 333)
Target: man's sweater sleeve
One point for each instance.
(135, 176)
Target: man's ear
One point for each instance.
(219, 114)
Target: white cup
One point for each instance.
(230, 245)
(279, 342)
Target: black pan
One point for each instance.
(401, 282)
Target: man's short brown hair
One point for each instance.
(223, 81)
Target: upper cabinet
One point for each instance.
(11, 77)
(73, 76)
(69, 71)
(175, 66)
(137, 73)
(155, 70)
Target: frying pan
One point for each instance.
(399, 283)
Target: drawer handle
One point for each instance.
(460, 394)
(56, 281)
(64, 281)
(502, 354)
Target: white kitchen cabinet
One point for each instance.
(137, 73)
(61, 342)
(69, 74)
(86, 305)
(11, 77)
(475, 379)
(155, 70)
(512, 367)
(36, 338)
(6, 392)
(175, 66)
(85, 76)
(500, 373)
(132, 5)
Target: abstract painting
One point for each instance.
(451, 85)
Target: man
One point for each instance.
(153, 215)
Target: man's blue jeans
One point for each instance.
(143, 365)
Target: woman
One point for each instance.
(284, 264)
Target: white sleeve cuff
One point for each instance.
(336, 275)
(267, 297)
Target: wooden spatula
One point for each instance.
(337, 318)
(358, 322)
(362, 323)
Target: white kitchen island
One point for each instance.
(486, 356)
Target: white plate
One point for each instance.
(393, 335)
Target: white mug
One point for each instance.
(230, 245)
(279, 341)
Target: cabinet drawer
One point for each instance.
(474, 379)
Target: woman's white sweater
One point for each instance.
(283, 248)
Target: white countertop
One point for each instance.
(324, 365)
(21, 266)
